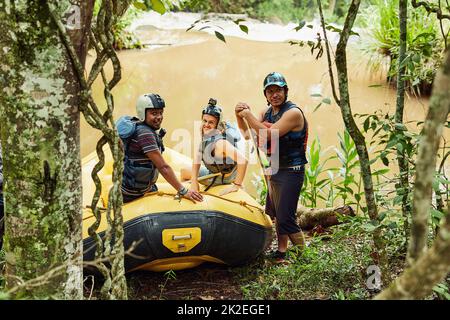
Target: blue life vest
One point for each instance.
(292, 145)
(139, 174)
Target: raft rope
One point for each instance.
(175, 196)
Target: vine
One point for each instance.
(110, 246)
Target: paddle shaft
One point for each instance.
(266, 183)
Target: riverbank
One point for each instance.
(225, 24)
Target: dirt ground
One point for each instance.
(206, 282)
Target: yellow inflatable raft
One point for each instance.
(174, 234)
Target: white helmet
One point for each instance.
(148, 101)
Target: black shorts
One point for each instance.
(282, 199)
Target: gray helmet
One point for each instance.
(148, 101)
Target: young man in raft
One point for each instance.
(143, 154)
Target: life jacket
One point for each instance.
(219, 164)
(139, 173)
(292, 145)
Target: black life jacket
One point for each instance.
(292, 145)
(139, 174)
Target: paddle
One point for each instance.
(266, 183)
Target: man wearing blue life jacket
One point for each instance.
(287, 156)
(143, 154)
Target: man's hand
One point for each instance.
(193, 195)
(240, 107)
(244, 113)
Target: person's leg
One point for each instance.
(287, 191)
(128, 198)
(229, 179)
(213, 181)
(298, 239)
(273, 204)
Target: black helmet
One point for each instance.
(213, 110)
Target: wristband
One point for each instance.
(182, 191)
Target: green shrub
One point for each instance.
(328, 269)
(424, 43)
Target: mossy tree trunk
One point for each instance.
(402, 160)
(40, 120)
(355, 133)
(426, 160)
(428, 267)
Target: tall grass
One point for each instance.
(315, 184)
(332, 185)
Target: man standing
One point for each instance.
(287, 156)
(143, 154)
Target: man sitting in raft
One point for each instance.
(143, 153)
(218, 153)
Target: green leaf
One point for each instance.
(327, 100)
(158, 6)
(438, 215)
(244, 28)
(401, 127)
(366, 124)
(399, 147)
(300, 25)
(380, 172)
(316, 95)
(385, 161)
(220, 36)
(140, 6)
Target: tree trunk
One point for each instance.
(432, 267)
(309, 218)
(352, 128)
(40, 137)
(401, 154)
(426, 161)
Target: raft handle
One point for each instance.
(183, 237)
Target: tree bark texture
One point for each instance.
(401, 155)
(355, 133)
(426, 161)
(40, 121)
(432, 267)
(308, 218)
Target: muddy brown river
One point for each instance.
(186, 76)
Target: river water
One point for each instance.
(187, 68)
